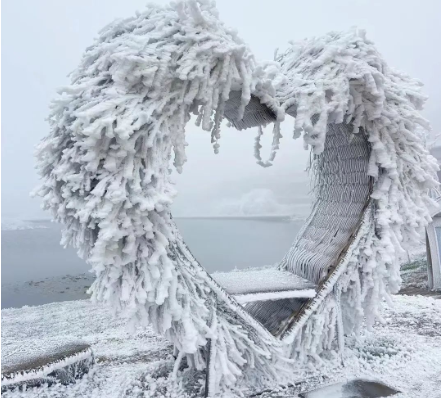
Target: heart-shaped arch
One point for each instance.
(105, 169)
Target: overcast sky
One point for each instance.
(43, 41)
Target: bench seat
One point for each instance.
(264, 284)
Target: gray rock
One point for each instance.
(352, 389)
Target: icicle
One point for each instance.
(274, 147)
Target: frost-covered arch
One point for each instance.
(105, 170)
(105, 167)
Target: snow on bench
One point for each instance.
(264, 284)
(44, 362)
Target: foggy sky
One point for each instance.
(43, 41)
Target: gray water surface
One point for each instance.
(37, 270)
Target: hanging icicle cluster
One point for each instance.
(105, 172)
(341, 78)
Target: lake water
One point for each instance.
(37, 270)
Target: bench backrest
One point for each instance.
(341, 190)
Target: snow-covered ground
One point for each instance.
(403, 352)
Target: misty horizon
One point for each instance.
(44, 41)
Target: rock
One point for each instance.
(352, 389)
(49, 361)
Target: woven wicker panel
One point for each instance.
(256, 114)
(341, 189)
